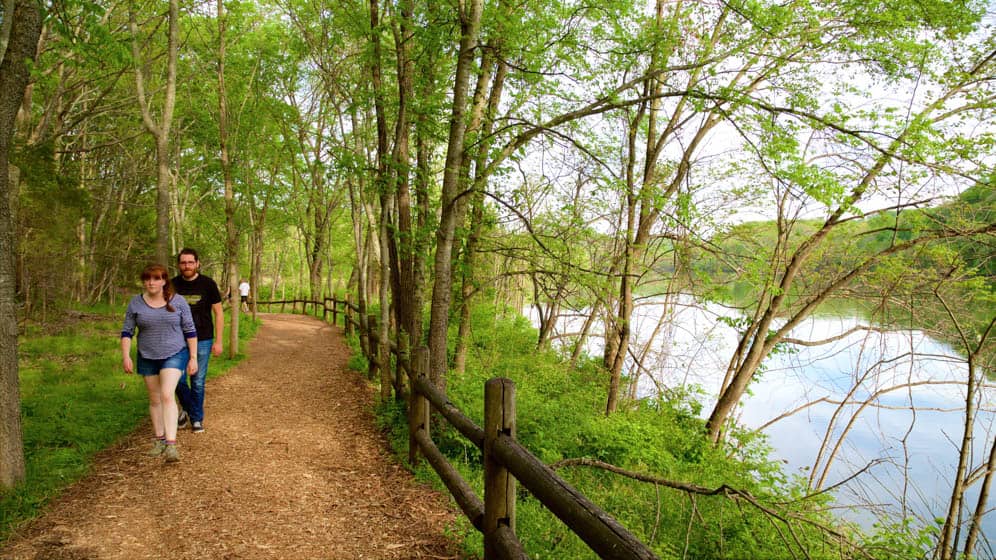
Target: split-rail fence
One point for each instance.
(506, 462)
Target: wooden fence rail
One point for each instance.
(506, 461)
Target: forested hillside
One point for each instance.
(576, 159)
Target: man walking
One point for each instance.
(244, 294)
(201, 292)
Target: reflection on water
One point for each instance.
(874, 406)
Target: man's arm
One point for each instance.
(219, 328)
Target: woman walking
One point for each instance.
(167, 344)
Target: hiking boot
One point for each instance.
(171, 453)
(197, 427)
(158, 447)
(181, 420)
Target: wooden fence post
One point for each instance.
(499, 484)
(418, 406)
(335, 311)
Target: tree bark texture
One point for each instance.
(402, 247)
(231, 236)
(470, 261)
(454, 204)
(21, 47)
(161, 131)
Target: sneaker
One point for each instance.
(158, 447)
(181, 420)
(171, 453)
(197, 427)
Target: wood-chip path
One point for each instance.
(290, 465)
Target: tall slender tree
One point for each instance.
(21, 43)
(231, 234)
(453, 202)
(160, 131)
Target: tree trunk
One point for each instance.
(161, 131)
(163, 198)
(948, 542)
(469, 267)
(467, 286)
(982, 505)
(402, 246)
(453, 203)
(25, 28)
(617, 338)
(5, 30)
(257, 213)
(424, 147)
(583, 335)
(622, 336)
(357, 209)
(231, 236)
(384, 322)
(389, 274)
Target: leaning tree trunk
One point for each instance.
(981, 505)
(467, 287)
(483, 119)
(579, 344)
(21, 47)
(948, 541)
(454, 206)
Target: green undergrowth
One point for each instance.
(76, 401)
(560, 415)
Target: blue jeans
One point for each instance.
(192, 395)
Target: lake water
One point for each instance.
(904, 414)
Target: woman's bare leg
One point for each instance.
(154, 389)
(168, 378)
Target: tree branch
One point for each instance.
(724, 490)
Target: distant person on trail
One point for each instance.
(244, 293)
(205, 303)
(167, 344)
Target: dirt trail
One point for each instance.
(290, 465)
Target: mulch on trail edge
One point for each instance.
(290, 465)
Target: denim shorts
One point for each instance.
(152, 367)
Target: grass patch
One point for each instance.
(560, 414)
(77, 401)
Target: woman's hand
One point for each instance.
(192, 365)
(128, 366)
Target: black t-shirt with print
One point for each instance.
(201, 293)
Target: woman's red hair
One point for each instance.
(159, 271)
